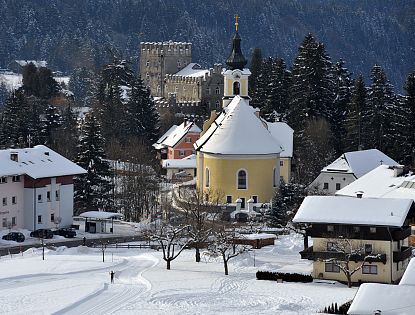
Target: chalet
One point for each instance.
(178, 141)
(36, 188)
(377, 230)
(347, 168)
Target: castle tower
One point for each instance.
(236, 76)
(161, 58)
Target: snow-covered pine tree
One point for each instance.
(93, 189)
(50, 124)
(81, 85)
(263, 80)
(408, 121)
(255, 68)
(342, 90)
(382, 110)
(10, 129)
(4, 94)
(357, 118)
(69, 131)
(312, 84)
(142, 119)
(111, 89)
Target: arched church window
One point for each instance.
(242, 179)
(207, 177)
(217, 90)
(236, 88)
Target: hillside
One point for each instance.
(77, 33)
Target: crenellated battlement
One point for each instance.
(185, 79)
(168, 48)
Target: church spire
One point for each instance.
(236, 59)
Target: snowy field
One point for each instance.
(76, 281)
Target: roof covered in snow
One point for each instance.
(175, 134)
(387, 298)
(187, 162)
(101, 215)
(359, 162)
(192, 70)
(37, 162)
(238, 131)
(384, 182)
(36, 63)
(285, 135)
(358, 211)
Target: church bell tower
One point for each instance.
(235, 76)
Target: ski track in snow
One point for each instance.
(128, 287)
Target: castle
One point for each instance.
(167, 69)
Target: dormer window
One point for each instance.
(14, 156)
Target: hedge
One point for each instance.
(287, 277)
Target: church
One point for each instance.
(237, 155)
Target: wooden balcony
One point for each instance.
(403, 254)
(310, 254)
(401, 234)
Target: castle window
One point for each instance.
(147, 63)
(208, 90)
(147, 76)
(217, 104)
(217, 90)
(242, 179)
(158, 88)
(207, 177)
(236, 88)
(194, 91)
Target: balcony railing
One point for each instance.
(401, 235)
(403, 254)
(310, 254)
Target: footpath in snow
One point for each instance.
(76, 281)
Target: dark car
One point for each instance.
(14, 236)
(42, 233)
(65, 232)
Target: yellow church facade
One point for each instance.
(238, 154)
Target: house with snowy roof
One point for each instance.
(36, 188)
(347, 168)
(180, 169)
(177, 142)
(237, 155)
(377, 298)
(375, 229)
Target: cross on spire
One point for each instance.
(236, 22)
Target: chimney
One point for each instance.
(14, 156)
(359, 194)
(397, 170)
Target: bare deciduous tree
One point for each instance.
(224, 245)
(169, 237)
(201, 210)
(345, 251)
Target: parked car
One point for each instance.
(14, 236)
(65, 232)
(42, 233)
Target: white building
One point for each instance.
(36, 188)
(347, 168)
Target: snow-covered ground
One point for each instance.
(76, 281)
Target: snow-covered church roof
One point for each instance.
(175, 134)
(238, 131)
(284, 135)
(359, 162)
(37, 162)
(358, 211)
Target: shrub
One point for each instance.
(287, 277)
(333, 309)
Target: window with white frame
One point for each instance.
(13, 221)
(188, 139)
(281, 163)
(181, 152)
(52, 217)
(229, 199)
(16, 178)
(39, 198)
(4, 201)
(242, 179)
(14, 200)
(48, 196)
(3, 180)
(39, 219)
(57, 195)
(217, 90)
(331, 246)
(325, 185)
